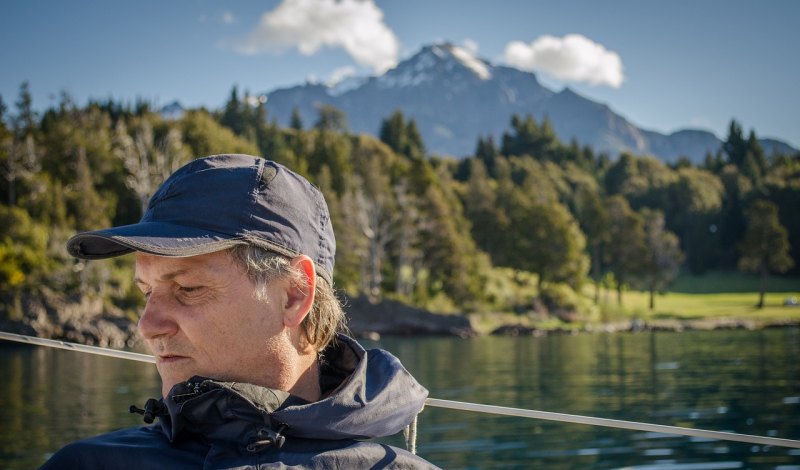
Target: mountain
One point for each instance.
(455, 97)
(171, 111)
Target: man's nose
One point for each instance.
(156, 319)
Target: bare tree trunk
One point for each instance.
(375, 224)
(12, 178)
(763, 286)
(407, 237)
(10, 173)
(148, 162)
(596, 271)
(652, 296)
(22, 161)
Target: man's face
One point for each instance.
(202, 318)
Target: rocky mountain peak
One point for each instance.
(434, 62)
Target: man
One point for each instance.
(235, 257)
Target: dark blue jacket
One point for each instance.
(208, 424)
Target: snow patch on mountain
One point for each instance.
(471, 62)
(348, 84)
(428, 65)
(409, 74)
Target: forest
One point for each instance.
(526, 223)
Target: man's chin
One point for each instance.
(169, 381)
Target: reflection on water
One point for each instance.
(51, 397)
(738, 381)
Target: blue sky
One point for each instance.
(667, 65)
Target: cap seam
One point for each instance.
(324, 250)
(255, 189)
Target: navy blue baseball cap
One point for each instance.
(215, 203)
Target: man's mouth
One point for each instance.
(170, 358)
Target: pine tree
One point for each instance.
(331, 119)
(489, 222)
(393, 132)
(735, 146)
(529, 138)
(6, 139)
(755, 164)
(620, 172)
(415, 147)
(26, 118)
(296, 122)
(451, 258)
(486, 152)
(401, 136)
(233, 115)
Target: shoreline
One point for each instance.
(639, 326)
(390, 318)
(92, 323)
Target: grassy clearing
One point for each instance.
(731, 281)
(714, 298)
(714, 295)
(697, 306)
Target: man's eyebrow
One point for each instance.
(166, 277)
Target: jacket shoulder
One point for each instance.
(356, 454)
(132, 448)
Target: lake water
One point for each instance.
(739, 381)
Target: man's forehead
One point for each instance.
(171, 267)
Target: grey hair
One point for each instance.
(262, 266)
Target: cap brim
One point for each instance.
(156, 238)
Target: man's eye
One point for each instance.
(190, 290)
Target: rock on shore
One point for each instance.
(48, 314)
(388, 317)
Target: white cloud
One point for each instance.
(228, 17)
(355, 25)
(573, 58)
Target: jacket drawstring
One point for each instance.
(152, 408)
(266, 438)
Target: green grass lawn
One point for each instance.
(715, 295)
(718, 282)
(714, 298)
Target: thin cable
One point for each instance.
(611, 423)
(51, 343)
(457, 405)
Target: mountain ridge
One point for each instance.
(456, 97)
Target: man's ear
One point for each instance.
(300, 296)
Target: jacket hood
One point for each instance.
(379, 398)
(366, 394)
